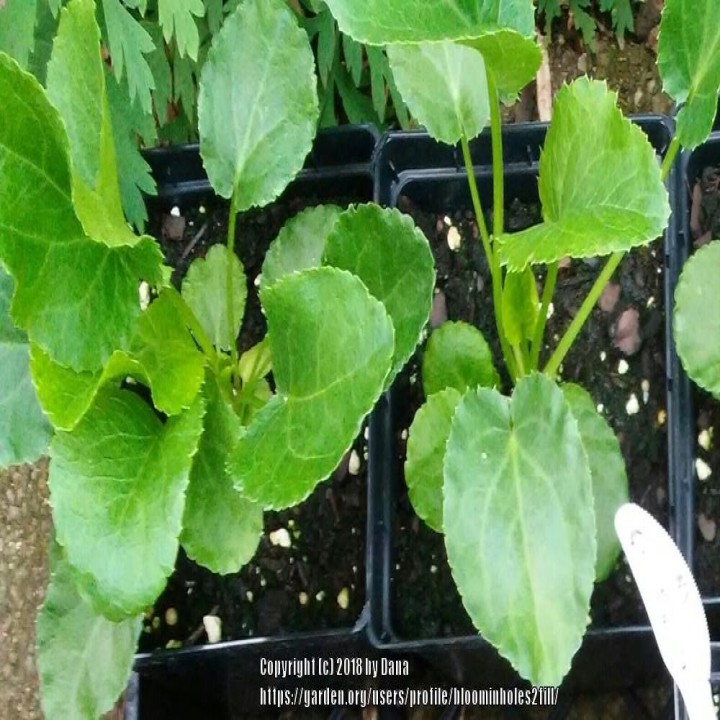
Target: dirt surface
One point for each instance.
(426, 599)
(25, 530)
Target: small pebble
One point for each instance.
(632, 406)
(343, 599)
(550, 311)
(320, 596)
(249, 595)
(175, 211)
(660, 496)
(609, 298)
(144, 295)
(257, 280)
(447, 221)
(703, 470)
(354, 463)
(453, 238)
(202, 210)
(439, 313)
(600, 408)
(433, 569)
(627, 332)
(623, 367)
(213, 628)
(705, 439)
(171, 616)
(707, 527)
(303, 598)
(603, 356)
(661, 416)
(280, 537)
(404, 434)
(645, 387)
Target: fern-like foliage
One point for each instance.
(620, 11)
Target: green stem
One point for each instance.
(497, 158)
(232, 329)
(669, 158)
(519, 360)
(548, 290)
(583, 313)
(603, 279)
(495, 270)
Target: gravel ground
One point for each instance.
(25, 530)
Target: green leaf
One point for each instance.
(327, 42)
(380, 22)
(134, 173)
(300, 244)
(600, 183)
(607, 468)
(214, 14)
(185, 90)
(76, 86)
(45, 29)
(519, 306)
(176, 18)
(427, 439)
(168, 354)
(117, 487)
(357, 106)
(353, 53)
(379, 68)
(221, 528)
(512, 58)
(392, 257)
(84, 660)
(519, 524)
(689, 64)
(244, 141)
(82, 319)
(162, 356)
(457, 356)
(66, 395)
(697, 318)
(444, 86)
(17, 25)
(161, 71)
(54, 6)
(204, 290)
(331, 344)
(24, 430)
(129, 43)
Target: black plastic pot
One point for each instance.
(222, 681)
(433, 177)
(692, 164)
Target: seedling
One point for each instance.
(130, 479)
(525, 485)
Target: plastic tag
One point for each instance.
(673, 605)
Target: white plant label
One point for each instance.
(673, 606)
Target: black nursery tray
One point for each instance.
(428, 180)
(702, 411)
(223, 680)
